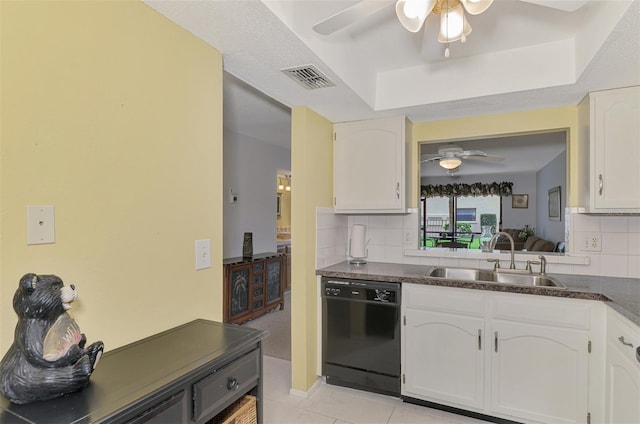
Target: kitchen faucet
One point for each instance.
(492, 244)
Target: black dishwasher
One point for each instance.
(361, 334)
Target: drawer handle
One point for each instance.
(621, 338)
(600, 184)
(232, 384)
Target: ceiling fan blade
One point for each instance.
(565, 5)
(349, 15)
(472, 153)
(429, 158)
(485, 157)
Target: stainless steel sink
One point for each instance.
(519, 278)
(463, 274)
(527, 280)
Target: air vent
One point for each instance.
(309, 77)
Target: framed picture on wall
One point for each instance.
(520, 201)
(279, 204)
(554, 204)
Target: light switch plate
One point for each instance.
(40, 225)
(203, 254)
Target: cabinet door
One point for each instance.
(369, 166)
(616, 149)
(174, 409)
(623, 370)
(443, 358)
(239, 291)
(539, 373)
(257, 288)
(274, 279)
(623, 387)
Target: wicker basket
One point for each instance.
(242, 411)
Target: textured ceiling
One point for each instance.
(381, 70)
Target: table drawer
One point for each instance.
(214, 392)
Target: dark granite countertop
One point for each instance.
(621, 294)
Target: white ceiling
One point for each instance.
(520, 56)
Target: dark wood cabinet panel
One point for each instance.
(286, 265)
(253, 286)
(239, 280)
(274, 280)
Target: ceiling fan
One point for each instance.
(450, 157)
(412, 14)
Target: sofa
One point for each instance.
(503, 243)
(532, 244)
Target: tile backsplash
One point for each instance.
(611, 244)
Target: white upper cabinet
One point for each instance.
(369, 166)
(609, 124)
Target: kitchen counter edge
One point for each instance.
(621, 294)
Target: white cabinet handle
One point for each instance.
(600, 184)
(398, 190)
(621, 338)
(479, 339)
(495, 341)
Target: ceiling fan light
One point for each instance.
(476, 7)
(453, 25)
(413, 13)
(450, 163)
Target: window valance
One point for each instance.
(476, 189)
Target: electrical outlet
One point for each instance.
(591, 242)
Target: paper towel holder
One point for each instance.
(357, 261)
(362, 251)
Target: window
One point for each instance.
(466, 214)
(454, 217)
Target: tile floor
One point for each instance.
(338, 405)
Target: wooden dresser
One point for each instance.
(188, 374)
(253, 286)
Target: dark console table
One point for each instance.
(188, 374)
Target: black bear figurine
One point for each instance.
(47, 358)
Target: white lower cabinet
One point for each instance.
(521, 357)
(622, 371)
(539, 373)
(451, 369)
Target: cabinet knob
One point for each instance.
(232, 383)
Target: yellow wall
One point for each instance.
(112, 114)
(312, 161)
(565, 118)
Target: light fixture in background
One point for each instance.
(454, 25)
(280, 185)
(288, 186)
(450, 163)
